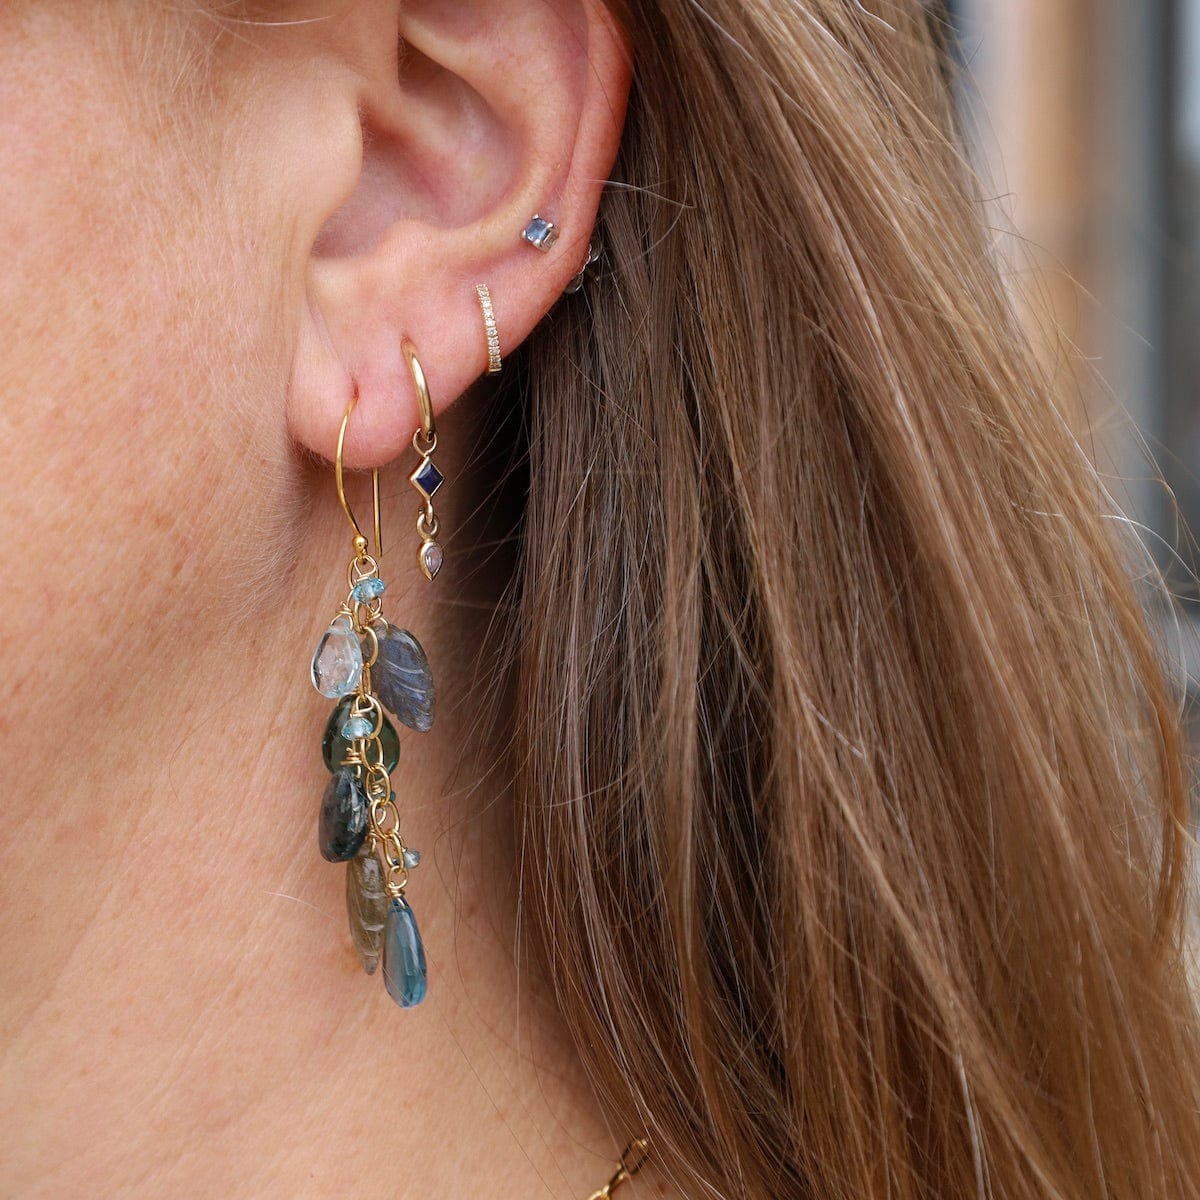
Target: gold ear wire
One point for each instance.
(360, 542)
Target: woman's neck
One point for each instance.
(183, 1012)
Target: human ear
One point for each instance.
(474, 115)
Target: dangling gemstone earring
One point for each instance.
(426, 478)
(367, 664)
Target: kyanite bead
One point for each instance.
(338, 662)
(411, 859)
(343, 823)
(403, 681)
(334, 744)
(403, 955)
(366, 907)
(368, 589)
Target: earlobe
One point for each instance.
(488, 114)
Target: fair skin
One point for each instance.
(213, 232)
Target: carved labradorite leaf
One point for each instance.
(403, 680)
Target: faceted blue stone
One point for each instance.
(403, 680)
(427, 477)
(355, 728)
(343, 824)
(366, 590)
(403, 955)
(412, 858)
(540, 232)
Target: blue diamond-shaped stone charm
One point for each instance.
(427, 478)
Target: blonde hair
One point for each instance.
(850, 791)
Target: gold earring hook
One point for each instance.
(360, 541)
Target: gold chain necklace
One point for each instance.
(633, 1157)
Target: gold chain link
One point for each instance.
(633, 1157)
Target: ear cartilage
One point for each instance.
(489, 327)
(540, 233)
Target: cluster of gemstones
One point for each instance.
(367, 665)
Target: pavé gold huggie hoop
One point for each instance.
(368, 665)
(489, 328)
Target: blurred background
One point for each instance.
(1085, 121)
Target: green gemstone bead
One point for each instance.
(334, 746)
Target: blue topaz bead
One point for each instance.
(337, 664)
(342, 828)
(356, 728)
(368, 589)
(403, 955)
(411, 859)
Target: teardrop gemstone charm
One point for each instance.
(337, 664)
(429, 558)
(366, 906)
(403, 955)
(335, 744)
(343, 824)
(403, 680)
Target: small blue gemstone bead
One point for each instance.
(411, 859)
(403, 955)
(355, 728)
(366, 590)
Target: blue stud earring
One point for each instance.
(367, 665)
(540, 233)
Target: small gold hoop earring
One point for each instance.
(426, 478)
